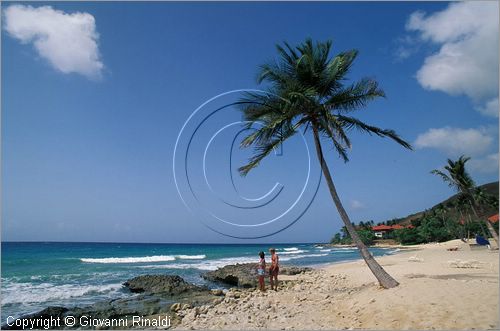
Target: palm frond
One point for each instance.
(340, 65)
(306, 87)
(459, 174)
(266, 133)
(458, 177)
(350, 123)
(332, 129)
(288, 55)
(274, 72)
(355, 96)
(263, 149)
(337, 128)
(444, 177)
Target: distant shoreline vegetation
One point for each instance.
(446, 221)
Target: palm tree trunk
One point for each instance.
(490, 228)
(384, 279)
(468, 221)
(492, 231)
(462, 219)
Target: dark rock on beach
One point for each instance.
(157, 295)
(161, 284)
(154, 295)
(245, 275)
(241, 275)
(293, 270)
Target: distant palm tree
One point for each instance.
(456, 176)
(307, 89)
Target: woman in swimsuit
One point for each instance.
(274, 269)
(261, 271)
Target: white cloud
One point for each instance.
(406, 47)
(356, 205)
(487, 164)
(67, 41)
(490, 108)
(456, 141)
(467, 61)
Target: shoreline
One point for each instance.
(118, 292)
(439, 289)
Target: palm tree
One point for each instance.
(307, 89)
(458, 178)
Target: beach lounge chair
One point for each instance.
(464, 264)
(415, 259)
(482, 241)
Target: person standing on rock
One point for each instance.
(261, 271)
(274, 269)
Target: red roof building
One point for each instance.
(493, 219)
(390, 227)
(380, 231)
(381, 228)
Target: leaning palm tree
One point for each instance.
(307, 89)
(456, 176)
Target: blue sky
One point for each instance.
(94, 96)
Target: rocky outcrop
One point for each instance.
(245, 275)
(241, 275)
(293, 270)
(161, 284)
(157, 295)
(306, 299)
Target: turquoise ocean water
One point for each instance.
(37, 274)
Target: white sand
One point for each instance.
(438, 289)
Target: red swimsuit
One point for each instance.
(275, 268)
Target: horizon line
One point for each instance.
(150, 243)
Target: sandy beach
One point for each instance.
(439, 289)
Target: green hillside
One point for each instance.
(449, 209)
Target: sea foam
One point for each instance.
(143, 259)
(191, 257)
(210, 265)
(298, 251)
(207, 265)
(25, 293)
(155, 258)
